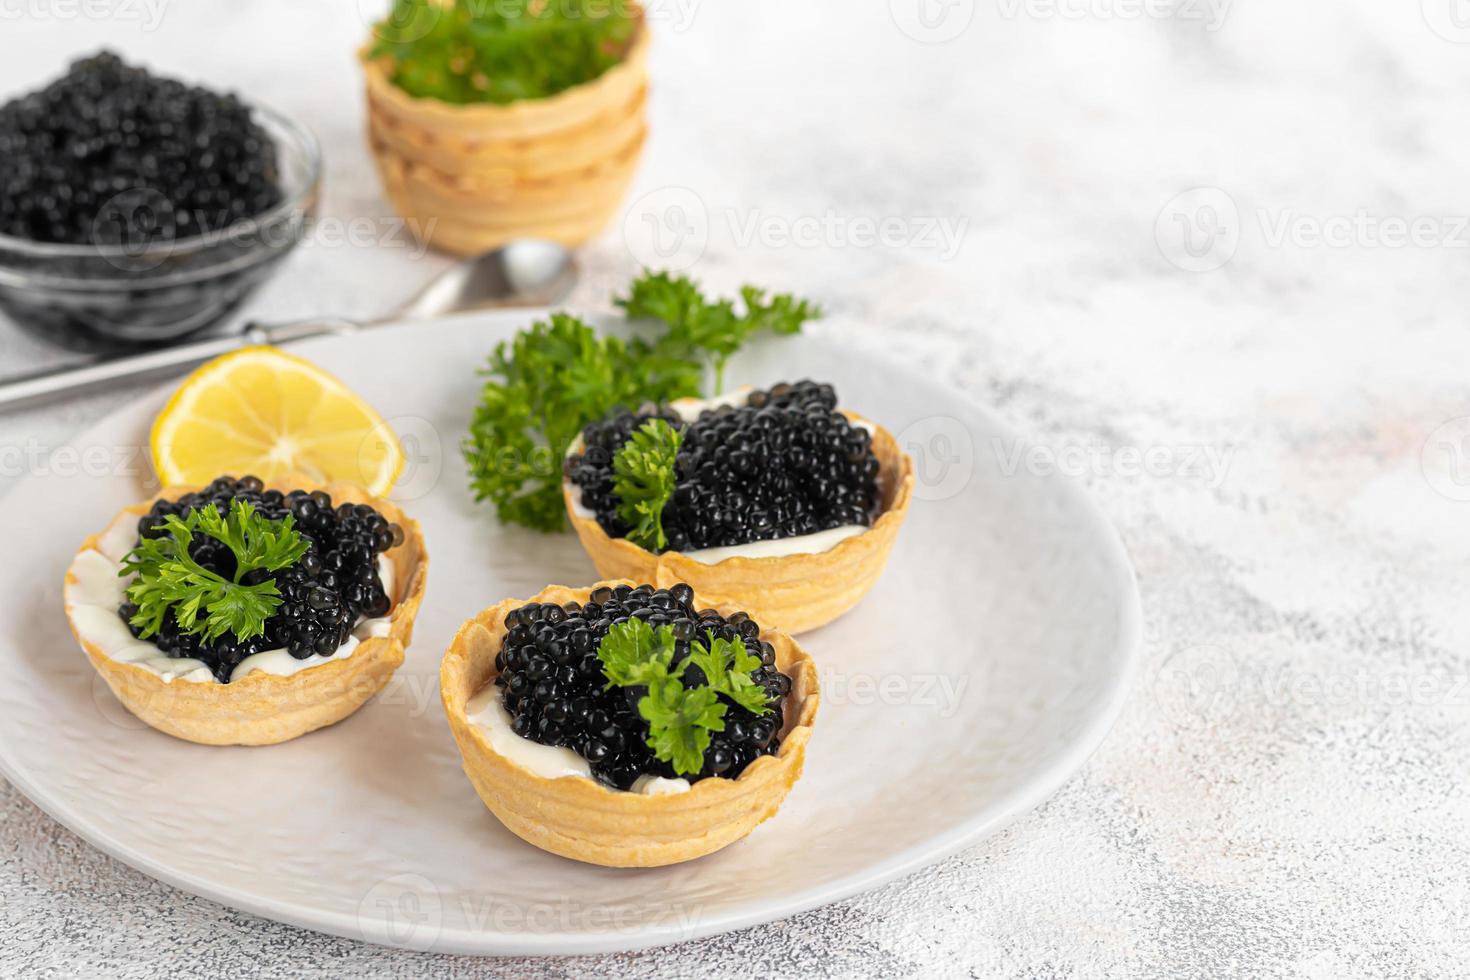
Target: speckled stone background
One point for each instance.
(1212, 254)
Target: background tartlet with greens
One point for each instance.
(492, 122)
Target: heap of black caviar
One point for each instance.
(786, 463)
(556, 693)
(324, 594)
(111, 154)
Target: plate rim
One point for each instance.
(488, 943)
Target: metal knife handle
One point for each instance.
(54, 383)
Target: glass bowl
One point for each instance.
(150, 292)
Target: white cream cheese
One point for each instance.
(486, 711)
(801, 544)
(689, 409)
(659, 786)
(95, 590)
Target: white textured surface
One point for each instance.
(1284, 795)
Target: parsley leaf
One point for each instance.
(643, 481)
(634, 653)
(680, 718)
(541, 388)
(256, 542)
(727, 666)
(472, 51)
(202, 601)
(701, 329)
(680, 722)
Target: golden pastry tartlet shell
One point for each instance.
(794, 593)
(579, 818)
(469, 178)
(261, 708)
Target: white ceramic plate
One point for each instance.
(983, 669)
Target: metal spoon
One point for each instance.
(525, 273)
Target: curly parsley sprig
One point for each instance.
(540, 389)
(202, 601)
(644, 479)
(727, 667)
(681, 718)
(711, 331)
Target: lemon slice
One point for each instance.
(267, 413)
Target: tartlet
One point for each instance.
(794, 593)
(472, 177)
(580, 818)
(261, 708)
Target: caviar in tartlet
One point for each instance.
(561, 685)
(785, 463)
(111, 154)
(330, 583)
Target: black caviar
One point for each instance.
(335, 583)
(111, 154)
(785, 463)
(556, 693)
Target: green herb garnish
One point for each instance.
(505, 51)
(727, 666)
(634, 653)
(680, 718)
(643, 480)
(553, 378)
(541, 389)
(202, 601)
(680, 722)
(700, 329)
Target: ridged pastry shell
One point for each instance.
(579, 818)
(261, 708)
(794, 593)
(467, 219)
(543, 158)
(470, 178)
(509, 200)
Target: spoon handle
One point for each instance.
(42, 386)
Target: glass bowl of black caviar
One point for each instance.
(136, 209)
(773, 497)
(677, 725)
